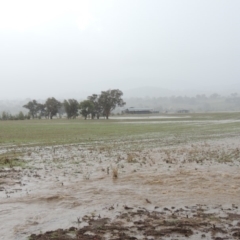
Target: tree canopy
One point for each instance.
(97, 108)
(71, 107)
(32, 106)
(52, 106)
(86, 108)
(95, 105)
(109, 100)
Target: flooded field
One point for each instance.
(150, 117)
(181, 182)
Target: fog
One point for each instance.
(75, 48)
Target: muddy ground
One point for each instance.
(178, 191)
(195, 222)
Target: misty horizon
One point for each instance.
(140, 92)
(67, 49)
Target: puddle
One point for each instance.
(149, 117)
(197, 122)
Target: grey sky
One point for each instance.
(63, 48)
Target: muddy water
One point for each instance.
(149, 117)
(62, 184)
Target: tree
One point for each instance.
(32, 106)
(42, 111)
(52, 106)
(86, 108)
(5, 115)
(97, 107)
(21, 116)
(109, 100)
(71, 107)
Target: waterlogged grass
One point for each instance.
(63, 131)
(11, 159)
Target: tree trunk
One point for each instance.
(107, 114)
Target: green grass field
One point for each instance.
(63, 131)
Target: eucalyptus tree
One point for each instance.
(32, 106)
(109, 100)
(71, 107)
(52, 107)
(97, 108)
(86, 107)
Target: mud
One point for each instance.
(73, 186)
(195, 222)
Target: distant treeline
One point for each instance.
(94, 106)
(199, 103)
(102, 104)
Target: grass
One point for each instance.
(130, 158)
(63, 131)
(11, 159)
(115, 172)
(202, 153)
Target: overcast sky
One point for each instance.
(67, 47)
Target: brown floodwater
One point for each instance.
(64, 183)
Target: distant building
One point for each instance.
(133, 110)
(183, 111)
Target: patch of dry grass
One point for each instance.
(114, 172)
(130, 158)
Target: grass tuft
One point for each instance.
(130, 158)
(115, 172)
